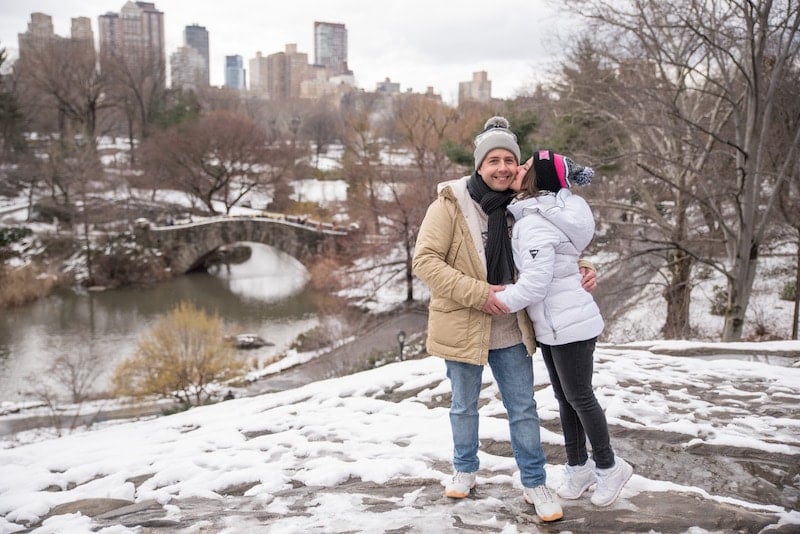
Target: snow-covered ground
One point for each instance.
(390, 426)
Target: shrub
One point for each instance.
(25, 284)
(12, 234)
(180, 357)
(789, 291)
(719, 302)
(120, 261)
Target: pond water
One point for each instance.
(265, 295)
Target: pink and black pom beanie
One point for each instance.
(554, 171)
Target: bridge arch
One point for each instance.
(185, 246)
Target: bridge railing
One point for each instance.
(302, 221)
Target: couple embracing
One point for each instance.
(500, 252)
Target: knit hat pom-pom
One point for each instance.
(583, 177)
(496, 122)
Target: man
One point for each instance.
(463, 253)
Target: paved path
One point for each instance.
(376, 341)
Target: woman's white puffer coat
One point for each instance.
(549, 235)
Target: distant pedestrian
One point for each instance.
(553, 227)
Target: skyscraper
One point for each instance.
(135, 36)
(81, 29)
(330, 47)
(286, 71)
(197, 37)
(259, 84)
(235, 76)
(40, 33)
(188, 69)
(477, 90)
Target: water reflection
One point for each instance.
(265, 295)
(265, 277)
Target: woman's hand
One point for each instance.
(588, 279)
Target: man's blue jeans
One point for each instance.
(513, 371)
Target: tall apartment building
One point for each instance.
(135, 35)
(477, 90)
(330, 47)
(235, 74)
(259, 83)
(387, 87)
(81, 29)
(188, 69)
(196, 37)
(286, 71)
(40, 33)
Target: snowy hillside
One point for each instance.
(717, 439)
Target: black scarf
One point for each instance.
(499, 260)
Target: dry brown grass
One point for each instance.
(20, 285)
(324, 275)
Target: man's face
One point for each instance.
(499, 168)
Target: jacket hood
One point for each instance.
(567, 212)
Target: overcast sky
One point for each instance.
(417, 43)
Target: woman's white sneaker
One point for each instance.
(460, 485)
(547, 507)
(610, 482)
(577, 479)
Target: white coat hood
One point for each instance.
(567, 212)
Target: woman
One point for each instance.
(552, 228)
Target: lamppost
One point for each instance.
(401, 339)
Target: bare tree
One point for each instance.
(790, 199)
(219, 157)
(699, 129)
(66, 387)
(321, 127)
(63, 73)
(12, 139)
(361, 160)
(789, 194)
(137, 87)
(424, 128)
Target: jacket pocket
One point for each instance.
(448, 323)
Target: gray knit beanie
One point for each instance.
(495, 134)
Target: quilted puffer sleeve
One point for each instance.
(534, 242)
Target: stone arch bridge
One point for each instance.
(186, 246)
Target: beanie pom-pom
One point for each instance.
(583, 177)
(496, 122)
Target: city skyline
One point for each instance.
(416, 44)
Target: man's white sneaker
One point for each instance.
(460, 485)
(610, 482)
(546, 505)
(577, 479)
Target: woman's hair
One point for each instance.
(528, 187)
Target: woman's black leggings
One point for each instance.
(570, 367)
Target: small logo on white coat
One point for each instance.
(533, 252)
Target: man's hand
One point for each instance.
(588, 279)
(493, 306)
